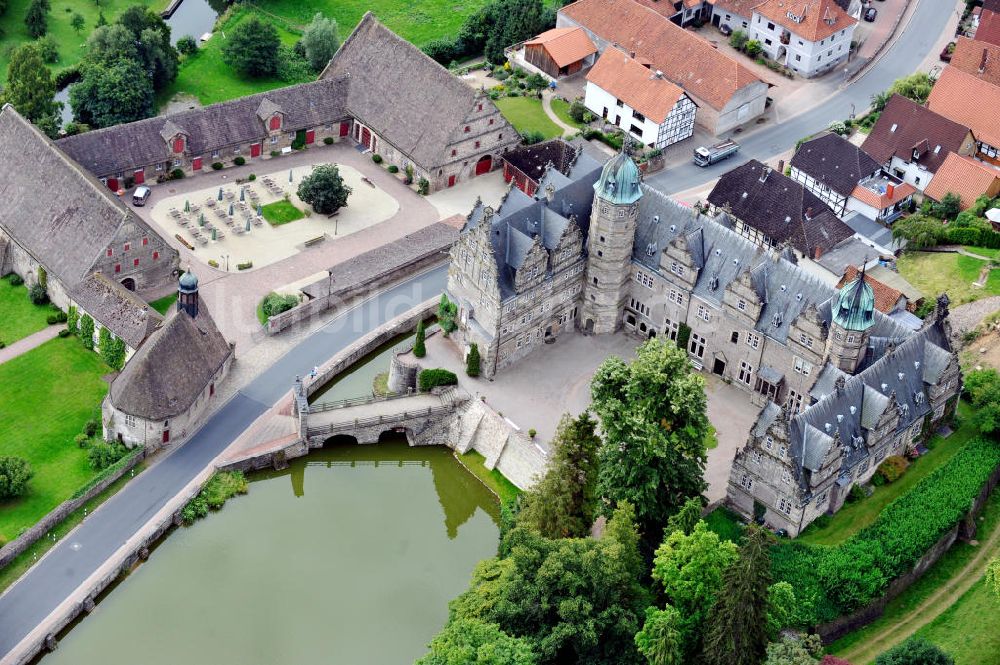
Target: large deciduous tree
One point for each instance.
(737, 631)
(320, 41)
(983, 389)
(919, 231)
(324, 189)
(652, 413)
(475, 642)
(564, 502)
(31, 90)
(15, 473)
(252, 48)
(113, 94)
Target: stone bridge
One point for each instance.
(423, 417)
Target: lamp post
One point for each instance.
(226, 258)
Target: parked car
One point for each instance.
(870, 14)
(141, 195)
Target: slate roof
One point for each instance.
(967, 100)
(564, 45)
(121, 148)
(965, 176)
(684, 57)
(173, 367)
(819, 18)
(851, 251)
(870, 229)
(834, 161)
(403, 95)
(52, 207)
(532, 159)
(915, 127)
(779, 207)
(117, 309)
(978, 58)
(639, 87)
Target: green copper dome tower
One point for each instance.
(853, 316)
(619, 181)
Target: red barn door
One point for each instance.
(310, 136)
(484, 165)
(140, 176)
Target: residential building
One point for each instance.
(988, 29)
(772, 210)
(680, 12)
(725, 91)
(970, 101)
(881, 197)
(912, 141)
(525, 166)
(980, 59)
(172, 380)
(648, 107)
(967, 177)
(378, 90)
(810, 37)
(831, 167)
(559, 52)
(733, 14)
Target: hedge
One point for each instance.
(834, 581)
(431, 378)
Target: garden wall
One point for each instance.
(15, 547)
(965, 530)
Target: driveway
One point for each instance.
(732, 415)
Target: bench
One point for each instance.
(315, 241)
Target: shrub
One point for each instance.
(328, 140)
(103, 454)
(532, 432)
(15, 279)
(431, 378)
(532, 136)
(892, 468)
(87, 331)
(81, 440)
(58, 317)
(217, 166)
(251, 177)
(213, 263)
(577, 110)
(447, 311)
(15, 473)
(377, 158)
(753, 48)
(409, 174)
(419, 347)
(472, 361)
(62, 333)
(839, 128)
(176, 174)
(223, 485)
(275, 153)
(72, 319)
(90, 427)
(423, 187)
(187, 45)
(246, 265)
(239, 160)
(37, 294)
(275, 303)
(738, 39)
(393, 168)
(856, 494)
(915, 651)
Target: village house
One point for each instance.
(980, 59)
(172, 380)
(911, 141)
(970, 101)
(525, 166)
(831, 167)
(62, 223)
(988, 29)
(432, 122)
(726, 92)
(651, 109)
(811, 37)
(965, 177)
(557, 52)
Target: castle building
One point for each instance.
(599, 250)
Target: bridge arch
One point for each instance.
(340, 440)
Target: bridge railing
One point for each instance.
(357, 401)
(336, 428)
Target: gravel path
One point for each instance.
(966, 317)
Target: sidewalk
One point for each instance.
(28, 343)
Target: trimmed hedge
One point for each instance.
(834, 581)
(431, 378)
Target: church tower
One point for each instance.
(610, 240)
(187, 294)
(853, 317)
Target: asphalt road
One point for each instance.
(912, 45)
(76, 557)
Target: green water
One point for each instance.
(358, 381)
(349, 557)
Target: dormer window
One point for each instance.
(275, 122)
(178, 145)
(893, 128)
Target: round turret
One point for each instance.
(855, 308)
(188, 282)
(619, 181)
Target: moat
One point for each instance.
(349, 556)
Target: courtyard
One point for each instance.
(555, 380)
(264, 221)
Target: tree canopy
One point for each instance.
(652, 413)
(320, 41)
(983, 388)
(475, 642)
(253, 48)
(324, 189)
(15, 473)
(36, 19)
(918, 230)
(795, 651)
(660, 639)
(113, 94)
(31, 90)
(915, 651)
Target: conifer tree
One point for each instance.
(472, 360)
(419, 348)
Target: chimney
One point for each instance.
(809, 213)
(764, 173)
(817, 252)
(658, 74)
(982, 63)
(889, 189)
(781, 166)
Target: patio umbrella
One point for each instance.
(289, 175)
(248, 226)
(214, 232)
(187, 206)
(201, 219)
(243, 194)
(230, 209)
(220, 193)
(260, 210)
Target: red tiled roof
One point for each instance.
(564, 45)
(969, 101)
(819, 18)
(882, 201)
(640, 88)
(965, 176)
(981, 59)
(683, 57)
(989, 27)
(886, 297)
(742, 8)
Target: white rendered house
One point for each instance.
(810, 37)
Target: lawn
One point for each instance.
(48, 394)
(418, 21)
(937, 272)
(991, 252)
(711, 440)
(18, 316)
(970, 629)
(281, 212)
(725, 523)
(561, 109)
(527, 115)
(853, 517)
(492, 478)
(207, 76)
(164, 304)
(70, 43)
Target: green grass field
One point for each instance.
(970, 629)
(561, 109)
(853, 517)
(493, 479)
(163, 305)
(48, 394)
(18, 316)
(527, 115)
(281, 212)
(983, 251)
(70, 43)
(937, 272)
(725, 523)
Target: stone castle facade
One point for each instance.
(599, 251)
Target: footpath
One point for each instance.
(28, 343)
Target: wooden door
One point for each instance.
(345, 128)
(140, 176)
(196, 164)
(484, 165)
(366, 138)
(113, 184)
(451, 181)
(255, 149)
(310, 136)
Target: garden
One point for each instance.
(281, 212)
(21, 317)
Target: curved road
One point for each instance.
(76, 557)
(912, 45)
